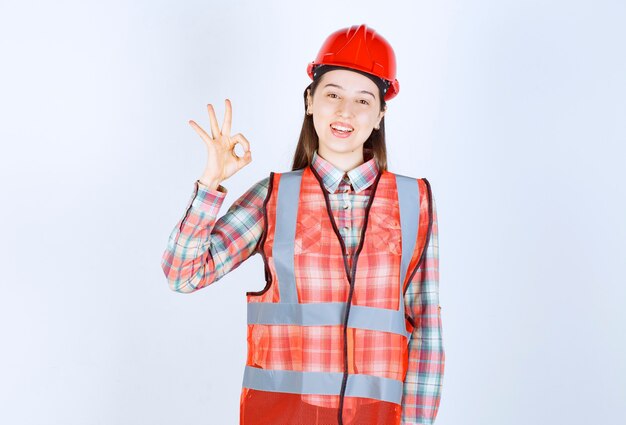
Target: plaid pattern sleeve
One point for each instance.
(423, 382)
(201, 248)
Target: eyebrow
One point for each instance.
(339, 87)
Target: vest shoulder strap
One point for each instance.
(426, 224)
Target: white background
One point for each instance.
(514, 110)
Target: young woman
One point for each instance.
(347, 329)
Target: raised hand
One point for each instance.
(222, 161)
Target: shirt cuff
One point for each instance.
(208, 200)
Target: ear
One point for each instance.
(308, 98)
(381, 115)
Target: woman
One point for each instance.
(328, 342)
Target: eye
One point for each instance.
(365, 102)
(332, 94)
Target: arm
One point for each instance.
(201, 249)
(422, 385)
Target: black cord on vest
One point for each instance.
(350, 274)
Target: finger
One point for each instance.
(242, 140)
(200, 131)
(244, 160)
(227, 118)
(215, 130)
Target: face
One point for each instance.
(344, 99)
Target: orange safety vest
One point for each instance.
(327, 340)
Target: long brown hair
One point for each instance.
(374, 146)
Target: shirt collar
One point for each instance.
(361, 177)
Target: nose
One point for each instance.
(345, 109)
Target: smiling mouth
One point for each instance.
(341, 129)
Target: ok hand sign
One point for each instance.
(222, 162)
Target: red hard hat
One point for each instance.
(360, 48)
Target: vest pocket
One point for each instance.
(308, 234)
(385, 233)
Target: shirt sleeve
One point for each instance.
(423, 382)
(202, 248)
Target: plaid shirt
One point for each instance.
(202, 249)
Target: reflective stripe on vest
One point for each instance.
(288, 311)
(321, 314)
(325, 383)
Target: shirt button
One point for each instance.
(346, 228)
(346, 206)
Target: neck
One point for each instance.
(343, 161)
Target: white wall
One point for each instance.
(514, 110)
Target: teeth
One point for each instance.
(341, 128)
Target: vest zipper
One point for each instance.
(350, 275)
